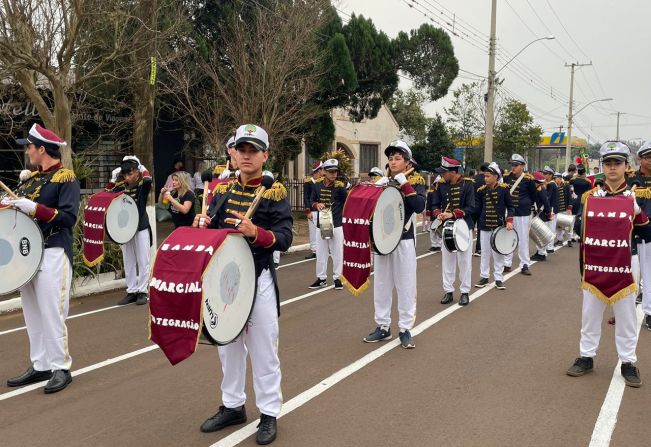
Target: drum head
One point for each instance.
(122, 219)
(21, 249)
(504, 241)
(461, 234)
(387, 221)
(229, 287)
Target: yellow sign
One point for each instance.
(152, 74)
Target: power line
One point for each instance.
(565, 29)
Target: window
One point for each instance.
(367, 157)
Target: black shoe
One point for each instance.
(538, 257)
(128, 299)
(276, 264)
(319, 283)
(224, 418)
(311, 256)
(550, 252)
(507, 269)
(464, 300)
(477, 253)
(631, 375)
(525, 270)
(499, 285)
(483, 282)
(447, 298)
(338, 284)
(267, 430)
(435, 249)
(558, 244)
(61, 378)
(638, 298)
(141, 299)
(29, 376)
(570, 244)
(581, 366)
(647, 321)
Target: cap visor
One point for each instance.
(619, 157)
(440, 170)
(254, 142)
(22, 141)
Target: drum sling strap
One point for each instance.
(221, 202)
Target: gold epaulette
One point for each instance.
(481, 188)
(630, 173)
(64, 175)
(221, 188)
(504, 185)
(416, 179)
(586, 194)
(218, 169)
(276, 193)
(339, 184)
(32, 174)
(528, 176)
(307, 179)
(469, 179)
(643, 193)
(441, 180)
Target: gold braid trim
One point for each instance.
(643, 193)
(221, 188)
(481, 188)
(63, 175)
(504, 185)
(93, 263)
(353, 290)
(587, 194)
(276, 193)
(218, 169)
(416, 179)
(339, 184)
(307, 179)
(628, 290)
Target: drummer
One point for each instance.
(494, 209)
(564, 207)
(553, 197)
(524, 196)
(397, 270)
(51, 196)
(308, 185)
(454, 199)
(269, 229)
(543, 210)
(643, 194)
(614, 157)
(228, 169)
(135, 182)
(434, 235)
(329, 193)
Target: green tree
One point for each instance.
(438, 144)
(515, 132)
(407, 109)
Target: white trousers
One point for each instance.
(435, 239)
(625, 329)
(562, 235)
(644, 253)
(487, 253)
(313, 231)
(136, 262)
(552, 226)
(260, 341)
(330, 247)
(45, 301)
(521, 226)
(450, 261)
(396, 270)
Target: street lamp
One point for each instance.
(490, 100)
(568, 144)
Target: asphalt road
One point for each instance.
(489, 374)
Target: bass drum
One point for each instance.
(121, 219)
(229, 288)
(21, 249)
(387, 221)
(504, 241)
(456, 235)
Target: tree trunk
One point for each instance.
(62, 124)
(143, 124)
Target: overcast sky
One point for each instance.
(614, 35)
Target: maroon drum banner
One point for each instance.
(357, 213)
(175, 289)
(606, 247)
(93, 235)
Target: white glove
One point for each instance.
(383, 181)
(400, 178)
(636, 207)
(131, 157)
(225, 174)
(25, 205)
(114, 174)
(5, 201)
(141, 168)
(600, 193)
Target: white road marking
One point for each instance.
(605, 425)
(327, 383)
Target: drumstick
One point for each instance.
(206, 177)
(8, 191)
(407, 172)
(267, 182)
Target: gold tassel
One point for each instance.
(307, 179)
(628, 290)
(643, 193)
(416, 179)
(339, 184)
(353, 290)
(63, 175)
(276, 193)
(93, 263)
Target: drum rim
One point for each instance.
(371, 223)
(450, 237)
(106, 229)
(494, 232)
(40, 261)
(248, 317)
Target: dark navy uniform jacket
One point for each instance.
(332, 195)
(56, 192)
(552, 196)
(524, 196)
(308, 186)
(543, 207)
(494, 206)
(564, 197)
(580, 185)
(414, 195)
(460, 196)
(643, 197)
(273, 218)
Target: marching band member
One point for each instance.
(454, 198)
(375, 174)
(494, 209)
(397, 270)
(434, 236)
(329, 193)
(614, 157)
(543, 210)
(580, 185)
(643, 194)
(136, 182)
(269, 229)
(51, 196)
(308, 186)
(227, 170)
(564, 206)
(479, 181)
(553, 197)
(524, 196)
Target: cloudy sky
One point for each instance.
(614, 35)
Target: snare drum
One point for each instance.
(21, 249)
(504, 241)
(229, 288)
(456, 235)
(326, 224)
(121, 220)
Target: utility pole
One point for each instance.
(568, 146)
(490, 97)
(618, 114)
